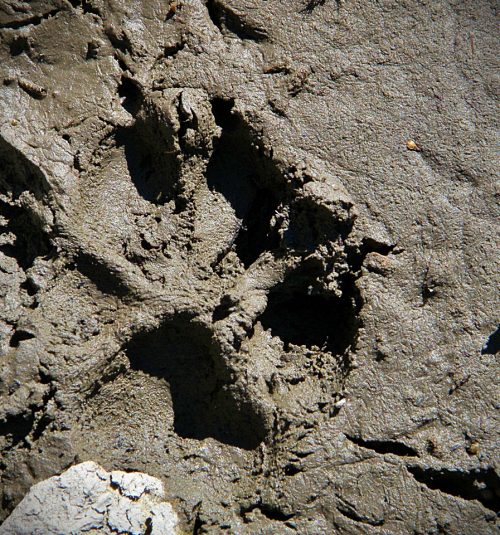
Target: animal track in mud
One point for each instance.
(151, 161)
(237, 171)
(300, 315)
(182, 353)
(269, 213)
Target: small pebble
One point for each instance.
(411, 145)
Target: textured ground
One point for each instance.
(250, 247)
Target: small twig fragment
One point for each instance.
(33, 90)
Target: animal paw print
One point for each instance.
(244, 261)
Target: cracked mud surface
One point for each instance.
(250, 248)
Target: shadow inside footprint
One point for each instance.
(151, 159)
(299, 314)
(248, 182)
(182, 353)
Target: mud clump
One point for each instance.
(247, 248)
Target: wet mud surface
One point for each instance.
(250, 248)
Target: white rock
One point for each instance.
(134, 485)
(86, 498)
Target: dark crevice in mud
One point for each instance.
(357, 255)
(45, 419)
(41, 426)
(492, 345)
(369, 245)
(19, 336)
(223, 309)
(228, 21)
(385, 446)
(30, 287)
(19, 176)
(121, 62)
(257, 235)
(149, 151)
(270, 511)
(277, 110)
(149, 526)
(173, 9)
(248, 181)
(17, 428)
(31, 21)
(205, 404)
(301, 315)
(86, 6)
(198, 525)
(313, 4)
(482, 484)
(92, 51)
(172, 50)
(130, 94)
(292, 469)
(224, 116)
(30, 241)
(19, 45)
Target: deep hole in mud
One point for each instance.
(30, 287)
(301, 315)
(248, 182)
(223, 309)
(19, 45)
(130, 93)
(182, 353)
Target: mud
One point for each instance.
(250, 248)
